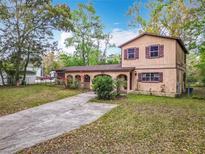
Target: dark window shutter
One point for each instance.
(147, 52)
(125, 54)
(161, 50)
(161, 77)
(136, 50)
(139, 77)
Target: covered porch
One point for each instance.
(85, 75)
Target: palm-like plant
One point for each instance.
(119, 83)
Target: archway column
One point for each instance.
(128, 82)
(82, 80)
(91, 81)
(114, 76)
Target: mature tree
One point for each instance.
(50, 63)
(179, 18)
(170, 17)
(193, 74)
(87, 31)
(199, 23)
(201, 64)
(113, 59)
(1, 74)
(70, 60)
(107, 45)
(28, 26)
(5, 54)
(7, 66)
(1, 61)
(202, 67)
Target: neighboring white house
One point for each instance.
(31, 74)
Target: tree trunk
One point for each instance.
(18, 57)
(25, 67)
(1, 74)
(83, 54)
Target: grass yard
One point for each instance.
(199, 92)
(14, 99)
(140, 124)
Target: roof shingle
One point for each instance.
(97, 68)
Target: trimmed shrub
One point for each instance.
(104, 87)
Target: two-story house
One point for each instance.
(151, 64)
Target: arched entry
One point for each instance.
(123, 77)
(69, 78)
(102, 75)
(78, 78)
(87, 81)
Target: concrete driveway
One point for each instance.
(29, 127)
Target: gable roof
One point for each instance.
(156, 35)
(97, 68)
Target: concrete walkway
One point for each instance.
(29, 127)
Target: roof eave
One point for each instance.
(111, 70)
(182, 45)
(59, 70)
(167, 37)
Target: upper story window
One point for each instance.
(154, 51)
(131, 53)
(151, 77)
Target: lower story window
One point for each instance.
(151, 77)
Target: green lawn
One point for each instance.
(14, 99)
(199, 92)
(140, 124)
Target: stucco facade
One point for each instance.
(92, 75)
(151, 64)
(171, 65)
(169, 59)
